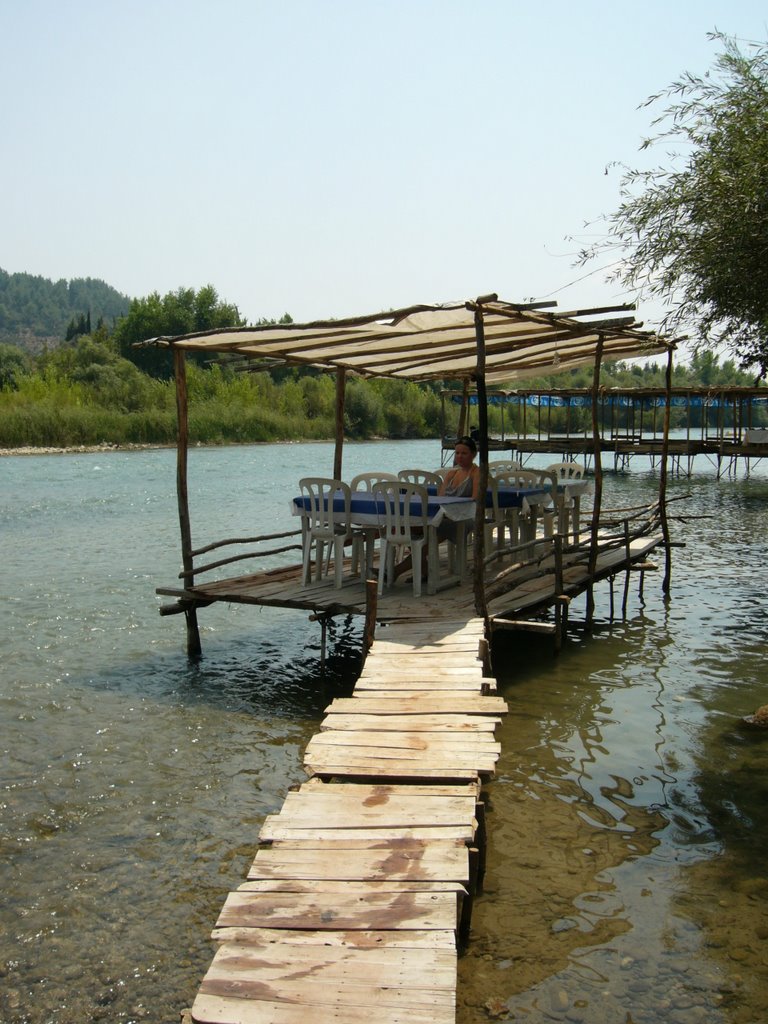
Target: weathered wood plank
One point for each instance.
(334, 911)
(421, 741)
(273, 830)
(365, 790)
(423, 704)
(212, 1009)
(291, 955)
(413, 723)
(307, 885)
(368, 940)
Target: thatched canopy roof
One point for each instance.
(438, 342)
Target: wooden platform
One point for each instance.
(363, 882)
(510, 593)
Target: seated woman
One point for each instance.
(462, 481)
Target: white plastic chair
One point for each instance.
(368, 481)
(364, 537)
(322, 526)
(510, 518)
(403, 526)
(420, 476)
(566, 470)
(503, 466)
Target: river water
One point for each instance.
(626, 875)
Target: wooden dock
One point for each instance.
(528, 584)
(361, 889)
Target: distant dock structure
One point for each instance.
(727, 426)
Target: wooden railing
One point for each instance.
(188, 575)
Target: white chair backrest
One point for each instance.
(520, 479)
(567, 470)
(420, 476)
(501, 466)
(405, 507)
(548, 479)
(368, 481)
(319, 494)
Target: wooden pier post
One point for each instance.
(667, 581)
(341, 385)
(194, 647)
(597, 448)
(481, 606)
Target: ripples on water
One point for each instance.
(627, 829)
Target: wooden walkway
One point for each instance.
(362, 886)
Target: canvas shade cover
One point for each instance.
(436, 342)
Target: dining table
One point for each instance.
(367, 511)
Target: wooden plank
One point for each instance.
(418, 665)
(391, 648)
(413, 723)
(387, 801)
(211, 1009)
(424, 741)
(364, 791)
(275, 985)
(340, 841)
(350, 885)
(388, 691)
(334, 911)
(412, 684)
(273, 830)
(293, 955)
(369, 940)
(421, 705)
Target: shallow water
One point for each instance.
(625, 877)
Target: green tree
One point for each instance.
(696, 233)
(13, 363)
(181, 312)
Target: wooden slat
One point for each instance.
(413, 723)
(335, 911)
(365, 791)
(420, 705)
(274, 830)
(213, 1009)
(368, 940)
(349, 885)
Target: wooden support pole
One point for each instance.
(597, 445)
(667, 581)
(371, 608)
(481, 606)
(194, 648)
(341, 386)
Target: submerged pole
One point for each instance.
(667, 581)
(194, 648)
(597, 453)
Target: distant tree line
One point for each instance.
(95, 387)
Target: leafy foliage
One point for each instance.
(696, 233)
(181, 312)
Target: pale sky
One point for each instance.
(335, 157)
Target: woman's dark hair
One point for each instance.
(468, 442)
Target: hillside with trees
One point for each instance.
(36, 312)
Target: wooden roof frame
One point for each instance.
(438, 342)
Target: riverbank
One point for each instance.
(82, 449)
